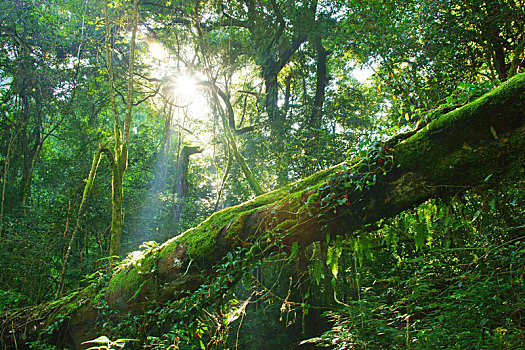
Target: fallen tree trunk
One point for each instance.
(457, 151)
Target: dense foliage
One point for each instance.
(445, 275)
(215, 102)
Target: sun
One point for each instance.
(185, 87)
(188, 93)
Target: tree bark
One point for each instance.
(121, 139)
(232, 144)
(180, 185)
(89, 184)
(270, 69)
(455, 152)
(320, 85)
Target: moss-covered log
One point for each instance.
(456, 151)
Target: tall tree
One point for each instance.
(35, 100)
(121, 139)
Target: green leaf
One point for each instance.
(476, 215)
(335, 267)
(421, 234)
(121, 340)
(100, 340)
(318, 271)
(295, 249)
(329, 255)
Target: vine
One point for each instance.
(347, 186)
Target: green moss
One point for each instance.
(293, 201)
(308, 204)
(284, 226)
(510, 90)
(314, 197)
(442, 155)
(201, 240)
(132, 275)
(118, 282)
(237, 225)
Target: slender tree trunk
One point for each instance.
(320, 86)
(117, 214)
(224, 177)
(121, 140)
(250, 177)
(271, 100)
(180, 189)
(516, 60)
(4, 175)
(270, 69)
(85, 195)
